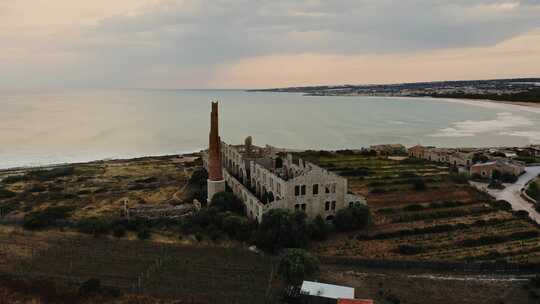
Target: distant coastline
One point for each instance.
(518, 91)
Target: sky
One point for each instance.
(64, 44)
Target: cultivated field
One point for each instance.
(407, 286)
(208, 274)
(440, 218)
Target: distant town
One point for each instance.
(516, 90)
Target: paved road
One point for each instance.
(512, 192)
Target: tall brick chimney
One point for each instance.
(215, 172)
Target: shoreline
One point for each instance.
(119, 159)
(515, 103)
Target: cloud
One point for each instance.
(500, 124)
(162, 42)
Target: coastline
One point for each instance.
(515, 103)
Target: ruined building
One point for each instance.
(266, 178)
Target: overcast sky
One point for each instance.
(52, 44)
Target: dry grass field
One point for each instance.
(444, 221)
(96, 188)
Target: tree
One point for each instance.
(227, 201)
(354, 217)
(318, 229)
(297, 264)
(280, 229)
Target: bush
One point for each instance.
(495, 184)
(410, 249)
(44, 175)
(354, 217)
(508, 178)
(419, 185)
(521, 214)
(227, 201)
(47, 217)
(280, 229)
(143, 233)
(13, 179)
(90, 286)
(4, 193)
(297, 264)
(413, 207)
(533, 191)
(460, 178)
(94, 226)
(119, 231)
(502, 205)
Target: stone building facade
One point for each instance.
(486, 170)
(264, 179)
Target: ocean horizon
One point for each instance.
(44, 128)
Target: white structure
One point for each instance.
(264, 180)
(326, 290)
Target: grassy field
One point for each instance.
(96, 188)
(208, 274)
(446, 220)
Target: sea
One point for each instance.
(43, 128)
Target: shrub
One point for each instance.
(460, 178)
(143, 233)
(44, 175)
(90, 286)
(410, 249)
(508, 178)
(93, 225)
(297, 264)
(495, 184)
(534, 191)
(227, 201)
(502, 205)
(4, 193)
(355, 217)
(521, 214)
(13, 179)
(119, 231)
(413, 207)
(47, 217)
(419, 185)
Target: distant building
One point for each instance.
(487, 169)
(454, 157)
(264, 179)
(387, 150)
